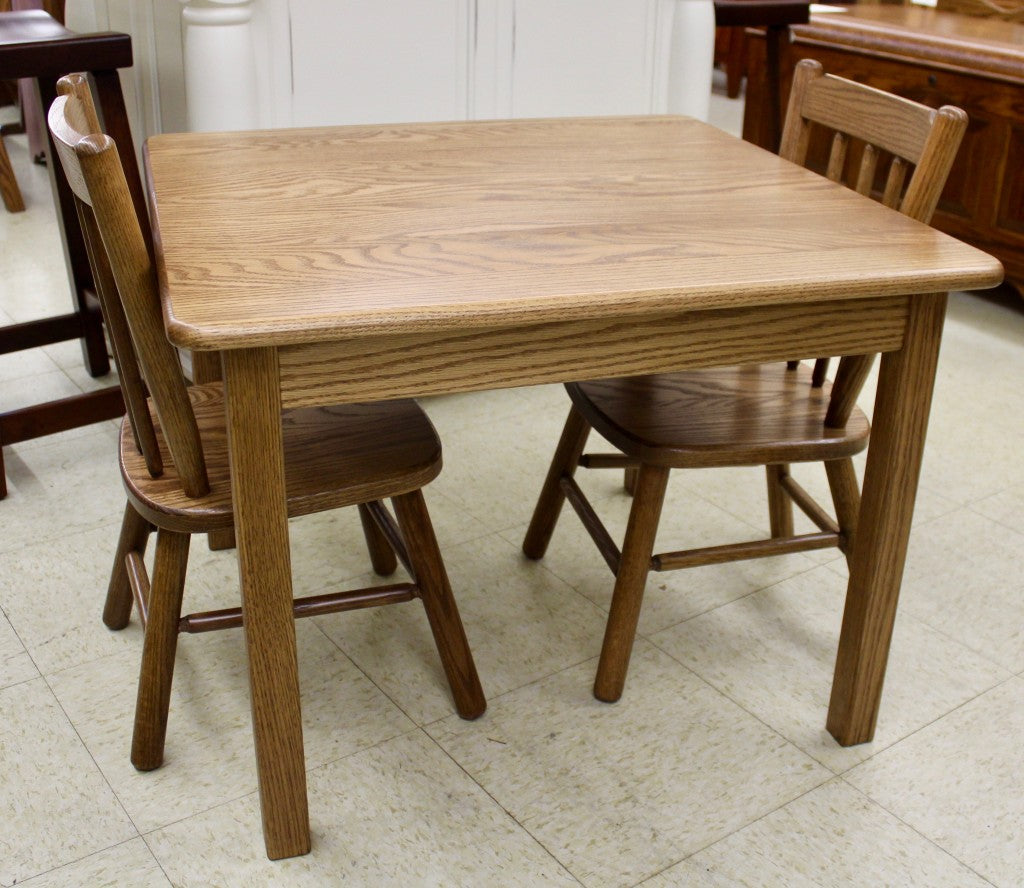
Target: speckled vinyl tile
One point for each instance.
(401, 813)
(57, 806)
(965, 578)
(522, 624)
(209, 756)
(833, 837)
(129, 864)
(959, 783)
(774, 653)
(15, 664)
(619, 792)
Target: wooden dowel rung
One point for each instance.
(598, 533)
(312, 606)
(138, 582)
(743, 551)
(608, 461)
(808, 506)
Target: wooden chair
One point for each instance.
(770, 415)
(174, 460)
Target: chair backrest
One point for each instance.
(919, 143)
(127, 285)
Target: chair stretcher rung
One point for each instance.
(598, 533)
(608, 461)
(808, 506)
(313, 606)
(743, 551)
(138, 582)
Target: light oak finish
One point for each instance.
(771, 415)
(386, 261)
(181, 480)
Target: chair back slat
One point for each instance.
(922, 143)
(866, 170)
(894, 182)
(95, 174)
(129, 374)
(837, 157)
(850, 378)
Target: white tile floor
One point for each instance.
(714, 769)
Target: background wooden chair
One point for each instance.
(770, 415)
(174, 460)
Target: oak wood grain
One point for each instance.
(464, 360)
(751, 415)
(902, 404)
(257, 479)
(417, 228)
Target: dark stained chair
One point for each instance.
(38, 49)
(771, 415)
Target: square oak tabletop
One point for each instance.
(304, 235)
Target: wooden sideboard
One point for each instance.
(937, 58)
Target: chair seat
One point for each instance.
(723, 416)
(334, 456)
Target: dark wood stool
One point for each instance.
(34, 45)
(775, 16)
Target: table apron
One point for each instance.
(409, 365)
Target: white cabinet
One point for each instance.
(582, 57)
(313, 62)
(366, 61)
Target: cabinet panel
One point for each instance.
(359, 62)
(582, 57)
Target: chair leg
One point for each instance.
(551, 499)
(842, 481)
(629, 480)
(439, 603)
(382, 556)
(135, 530)
(158, 649)
(629, 582)
(780, 506)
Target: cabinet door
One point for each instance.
(583, 57)
(354, 61)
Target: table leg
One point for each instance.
(261, 522)
(905, 383)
